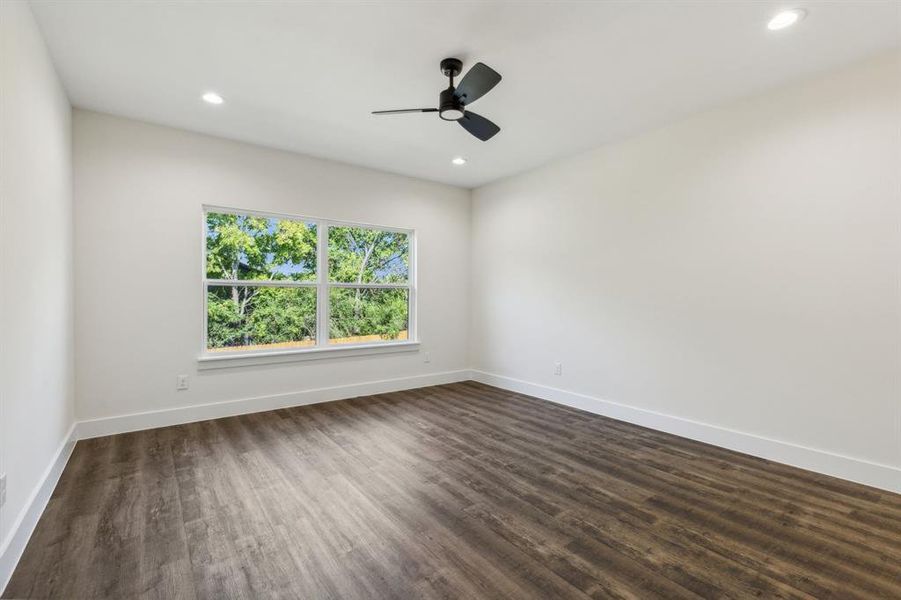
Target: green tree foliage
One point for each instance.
(262, 249)
(360, 255)
(260, 315)
(256, 248)
(356, 312)
(244, 247)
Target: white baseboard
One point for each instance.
(92, 428)
(881, 476)
(22, 528)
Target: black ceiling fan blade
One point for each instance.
(478, 126)
(476, 83)
(404, 111)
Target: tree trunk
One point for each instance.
(358, 292)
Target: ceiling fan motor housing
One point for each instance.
(449, 106)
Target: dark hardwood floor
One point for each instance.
(454, 491)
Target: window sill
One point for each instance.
(227, 361)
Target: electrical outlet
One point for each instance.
(558, 368)
(2, 489)
(181, 382)
(427, 357)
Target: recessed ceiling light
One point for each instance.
(459, 160)
(786, 18)
(212, 98)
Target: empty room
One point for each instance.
(396, 299)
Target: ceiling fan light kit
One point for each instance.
(452, 102)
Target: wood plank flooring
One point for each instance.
(454, 491)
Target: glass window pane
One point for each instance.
(359, 315)
(363, 255)
(250, 247)
(244, 318)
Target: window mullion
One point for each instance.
(372, 286)
(259, 283)
(322, 316)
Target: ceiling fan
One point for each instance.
(452, 102)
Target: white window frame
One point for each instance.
(322, 348)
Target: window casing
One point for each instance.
(293, 285)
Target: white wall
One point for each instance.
(739, 268)
(138, 194)
(36, 369)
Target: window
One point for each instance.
(276, 283)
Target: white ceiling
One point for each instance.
(303, 76)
